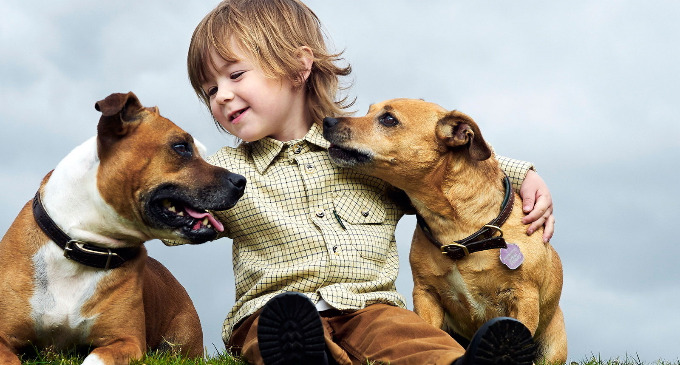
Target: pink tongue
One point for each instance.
(200, 215)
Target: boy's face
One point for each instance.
(250, 105)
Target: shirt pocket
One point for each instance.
(363, 216)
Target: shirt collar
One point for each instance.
(265, 150)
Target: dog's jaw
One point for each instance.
(349, 157)
(183, 211)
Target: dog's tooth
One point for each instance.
(172, 209)
(181, 214)
(205, 221)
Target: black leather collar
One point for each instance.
(81, 252)
(484, 238)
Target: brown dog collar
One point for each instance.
(483, 239)
(81, 252)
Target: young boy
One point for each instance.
(314, 253)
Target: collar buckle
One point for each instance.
(69, 247)
(445, 248)
(80, 246)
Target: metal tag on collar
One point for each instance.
(511, 256)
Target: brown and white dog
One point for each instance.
(440, 160)
(140, 178)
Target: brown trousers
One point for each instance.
(379, 332)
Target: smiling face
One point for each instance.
(250, 105)
(402, 140)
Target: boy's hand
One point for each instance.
(537, 204)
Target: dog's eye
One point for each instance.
(182, 149)
(388, 120)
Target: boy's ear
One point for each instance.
(306, 57)
(457, 130)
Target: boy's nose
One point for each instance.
(224, 95)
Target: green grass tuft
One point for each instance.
(167, 359)
(76, 357)
(627, 360)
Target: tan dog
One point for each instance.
(141, 178)
(441, 161)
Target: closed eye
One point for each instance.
(236, 75)
(388, 120)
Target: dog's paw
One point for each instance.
(93, 359)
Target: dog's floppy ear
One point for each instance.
(117, 111)
(457, 130)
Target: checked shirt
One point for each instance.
(309, 226)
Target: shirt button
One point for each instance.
(320, 214)
(365, 212)
(297, 149)
(309, 168)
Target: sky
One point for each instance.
(587, 91)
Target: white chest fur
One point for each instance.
(61, 287)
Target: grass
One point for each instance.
(73, 358)
(627, 360)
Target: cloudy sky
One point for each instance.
(588, 91)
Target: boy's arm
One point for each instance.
(515, 169)
(536, 198)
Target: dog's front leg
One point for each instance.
(120, 351)
(525, 307)
(427, 305)
(119, 334)
(553, 340)
(7, 356)
(426, 300)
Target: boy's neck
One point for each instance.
(293, 134)
(297, 129)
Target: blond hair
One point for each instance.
(271, 32)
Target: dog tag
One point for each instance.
(512, 256)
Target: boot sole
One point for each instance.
(290, 331)
(502, 341)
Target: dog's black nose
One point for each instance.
(329, 122)
(237, 180)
